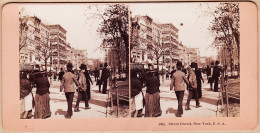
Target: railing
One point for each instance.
(114, 90)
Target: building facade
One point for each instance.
(46, 45)
(58, 46)
(156, 38)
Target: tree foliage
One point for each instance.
(114, 28)
(44, 51)
(156, 49)
(226, 26)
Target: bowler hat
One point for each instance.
(217, 62)
(179, 64)
(69, 65)
(105, 65)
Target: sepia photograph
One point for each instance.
(185, 60)
(129, 66)
(73, 61)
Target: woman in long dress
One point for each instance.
(26, 97)
(136, 95)
(42, 98)
(152, 96)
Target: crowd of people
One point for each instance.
(71, 81)
(181, 79)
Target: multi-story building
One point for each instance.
(170, 40)
(149, 36)
(152, 33)
(192, 55)
(29, 39)
(41, 43)
(59, 46)
(77, 57)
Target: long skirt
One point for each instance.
(28, 100)
(26, 104)
(137, 102)
(42, 106)
(152, 105)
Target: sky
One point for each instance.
(81, 22)
(195, 18)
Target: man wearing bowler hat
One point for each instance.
(216, 75)
(178, 82)
(192, 87)
(68, 85)
(104, 77)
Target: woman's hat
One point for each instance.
(193, 65)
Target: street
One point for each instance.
(169, 103)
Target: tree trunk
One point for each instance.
(157, 64)
(231, 63)
(45, 64)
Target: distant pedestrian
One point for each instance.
(192, 87)
(199, 79)
(55, 76)
(210, 75)
(216, 75)
(99, 82)
(82, 90)
(96, 73)
(68, 85)
(152, 96)
(26, 97)
(167, 75)
(88, 80)
(61, 73)
(178, 82)
(42, 98)
(104, 77)
(173, 71)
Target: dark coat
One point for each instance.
(136, 86)
(216, 72)
(105, 75)
(152, 83)
(61, 75)
(172, 72)
(208, 71)
(96, 72)
(25, 88)
(42, 85)
(88, 79)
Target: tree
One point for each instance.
(114, 28)
(156, 50)
(134, 34)
(226, 28)
(44, 51)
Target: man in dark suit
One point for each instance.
(96, 73)
(216, 74)
(104, 77)
(172, 72)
